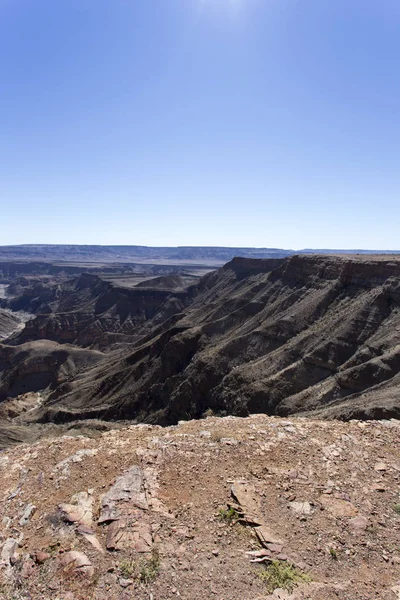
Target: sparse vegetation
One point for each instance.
(216, 436)
(208, 413)
(128, 568)
(333, 553)
(282, 575)
(397, 508)
(53, 547)
(144, 571)
(229, 515)
(150, 569)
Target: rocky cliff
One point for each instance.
(90, 311)
(279, 336)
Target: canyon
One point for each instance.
(190, 431)
(308, 335)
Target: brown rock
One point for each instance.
(27, 569)
(359, 524)
(77, 562)
(70, 513)
(40, 557)
(337, 507)
(132, 533)
(250, 503)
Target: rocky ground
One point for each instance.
(224, 509)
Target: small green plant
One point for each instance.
(282, 575)
(229, 515)
(150, 569)
(128, 569)
(397, 508)
(333, 553)
(144, 571)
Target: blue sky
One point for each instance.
(200, 122)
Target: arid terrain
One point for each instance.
(179, 431)
(202, 510)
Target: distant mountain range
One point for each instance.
(209, 255)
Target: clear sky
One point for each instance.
(200, 122)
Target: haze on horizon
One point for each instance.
(242, 123)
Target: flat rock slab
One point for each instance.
(125, 509)
(128, 488)
(8, 552)
(337, 507)
(133, 532)
(250, 503)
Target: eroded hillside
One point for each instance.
(299, 335)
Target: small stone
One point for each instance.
(28, 512)
(41, 557)
(54, 585)
(359, 524)
(124, 583)
(78, 562)
(378, 487)
(301, 508)
(8, 551)
(205, 434)
(215, 552)
(27, 569)
(380, 466)
(229, 441)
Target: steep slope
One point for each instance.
(274, 336)
(36, 366)
(9, 323)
